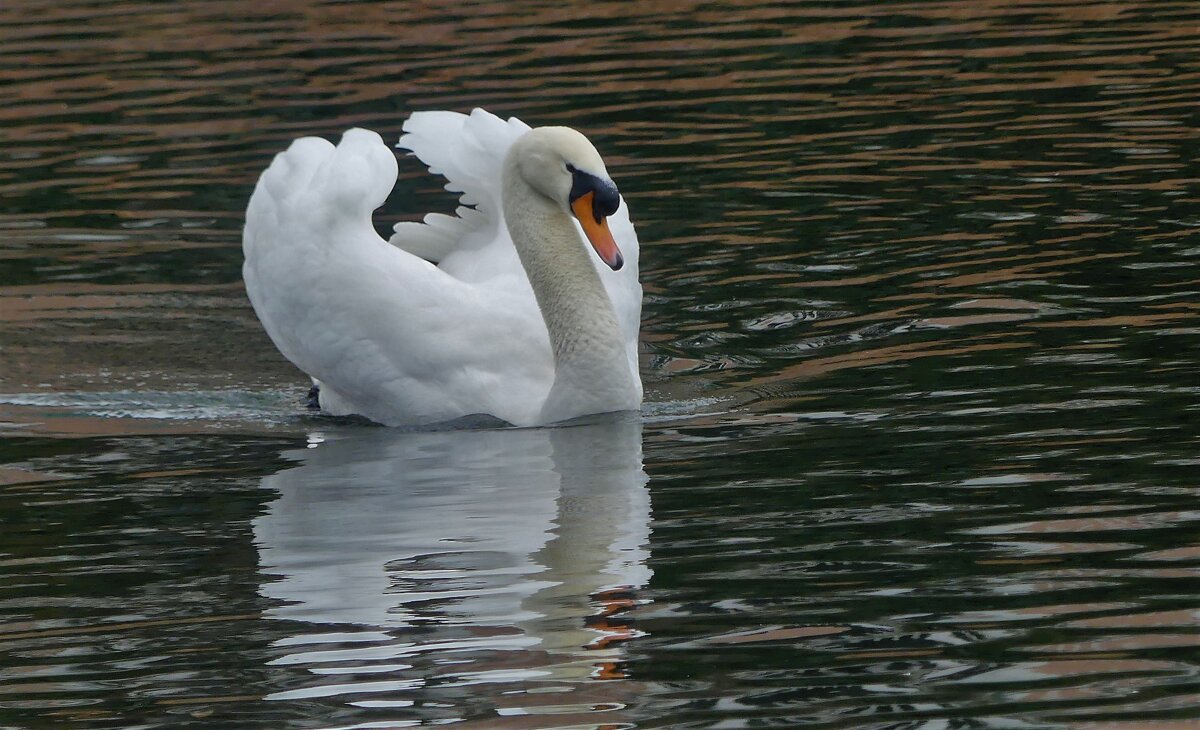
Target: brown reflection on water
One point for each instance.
(1140, 521)
(94, 337)
(1190, 552)
(1120, 643)
(880, 356)
(1155, 619)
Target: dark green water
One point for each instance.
(922, 432)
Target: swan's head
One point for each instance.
(562, 164)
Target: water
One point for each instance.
(920, 347)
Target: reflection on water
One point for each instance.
(502, 558)
(920, 349)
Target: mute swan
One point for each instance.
(500, 310)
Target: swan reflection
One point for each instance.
(446, 559)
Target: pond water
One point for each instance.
(921, 345)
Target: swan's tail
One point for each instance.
(314, 185)
(310, 200)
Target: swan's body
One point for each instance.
(502, 310)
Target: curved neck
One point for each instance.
(591, 370)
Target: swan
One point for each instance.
(498, 310)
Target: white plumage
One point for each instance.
(441, 321)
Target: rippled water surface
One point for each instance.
(922, 440)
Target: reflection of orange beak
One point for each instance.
(597, 231)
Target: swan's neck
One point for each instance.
(591, 369)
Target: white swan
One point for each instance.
(500, 310)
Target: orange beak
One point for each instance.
(596, 230)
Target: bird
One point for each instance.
(500, 310)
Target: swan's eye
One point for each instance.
(570, 168)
